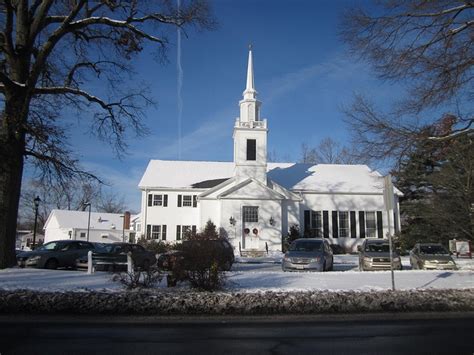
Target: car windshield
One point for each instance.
(102, 248)
(306, 245)
(52, 246)
(378, 248)
(433, 249)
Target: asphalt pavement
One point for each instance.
(441, 333)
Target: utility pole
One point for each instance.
(37, 201)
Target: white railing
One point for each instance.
(251, 124)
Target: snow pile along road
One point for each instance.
(185, 302)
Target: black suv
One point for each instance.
(194, 252)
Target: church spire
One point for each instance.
(250, 92)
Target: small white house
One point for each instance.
(254, 203)
(24, 239)
(103, 227)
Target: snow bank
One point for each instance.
(185, 302)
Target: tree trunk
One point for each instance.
(12, 143)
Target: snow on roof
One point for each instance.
(79, 219)
(292, 176)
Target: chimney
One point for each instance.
(126, 220)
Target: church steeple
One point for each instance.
(250, 134)
(250, 92)
(249, 105)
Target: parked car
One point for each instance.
(220, 249)
(308, 254)
(113, 257)
(59, 253)
(431, 256)
(374, 254)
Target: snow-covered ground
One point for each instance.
(249, 276)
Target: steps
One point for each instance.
(253, 253)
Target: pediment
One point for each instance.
(251, 189)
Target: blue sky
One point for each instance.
(303, 74)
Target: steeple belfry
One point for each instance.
(250, 134)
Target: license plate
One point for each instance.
(300, 267)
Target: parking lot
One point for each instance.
(255, 275)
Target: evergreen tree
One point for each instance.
(436, 180)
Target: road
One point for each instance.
(372, 334)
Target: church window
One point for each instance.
(157, 200)
(187, 200)
(182, 231)
(251, 149)
(156, 231)
(250, 214)
(316, 224)
(370, 224)
(343, 224)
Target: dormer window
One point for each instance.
(251, 149)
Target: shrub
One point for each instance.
(139, 279)
(156, 246)
(200, 262)
(293, 234)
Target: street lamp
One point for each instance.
(37, 201)
(123, 228)
(89, 219)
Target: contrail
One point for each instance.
(180, 85)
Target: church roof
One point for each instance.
(319, 178)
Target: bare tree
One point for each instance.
(50, 54)
(425, 45)
(328, 151)
(111, 202)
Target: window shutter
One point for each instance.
(326, 224)
(179, 200)
(362, 224)
(163, 232)
(307, 221)
(150, 200)
(353, 225)
(379, 224)
(178, 232)
(148, 231)
(195, 201)
(335, 228)
(165, 200)
(193, 230)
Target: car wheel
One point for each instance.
(51, 264)
(332, 266)
(324, 266)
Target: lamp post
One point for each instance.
(89, 219)
(123, 228)
(37, 201)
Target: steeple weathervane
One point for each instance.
(250, 92)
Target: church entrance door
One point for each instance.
(250, 232)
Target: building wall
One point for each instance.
(171, 215)
(271, 235)
(346, 202)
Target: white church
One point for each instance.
(254, 203)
